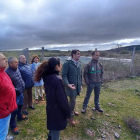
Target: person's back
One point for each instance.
(57, 104)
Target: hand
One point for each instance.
(72, 86)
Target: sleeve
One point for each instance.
(85, 74)
(62, 98)
(65, 73)
(102, 73)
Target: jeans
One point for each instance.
(19, 100)
(54, 134)
(72, 103)
(4, 126)
(96, 88)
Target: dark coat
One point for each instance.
(57, 104)
(71, 74)
(16, 79)
(93, 72)
(27, 74)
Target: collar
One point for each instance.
(12, 68)
(75, 62)
(2, 69)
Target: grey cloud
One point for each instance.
(68, 22)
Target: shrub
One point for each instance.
(133, 124)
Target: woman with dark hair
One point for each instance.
(57, 109)
(39, 84)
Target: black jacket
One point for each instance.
(16, 79)
(57, 104)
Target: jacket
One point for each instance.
(57, 104)
(7, 95)
(26, 74)
(93, 72)
(16, 79)
(34, 66)
(71, 74)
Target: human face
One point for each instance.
(3, 61)
(14, 64)
(76, 56)
(36, 60)
(96, 56)
(22, 59)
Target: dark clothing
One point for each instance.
(17, 112)
(57, 104)
(72, 74)
(27, 99)
(26, 74)
(17, 80)
(72, 103)
(96, 88)
(93, 76)
(93, 72)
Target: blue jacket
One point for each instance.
(16, 79)
(33, 68)
(26, 74)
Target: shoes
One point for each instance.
(76, 113)
(9, 137)
(72, 122)
(23, 118)
(42, 98)
(36, 101)
(15, 131)
(98, 109)
(25, 112)
(83, 110)
(31, 107)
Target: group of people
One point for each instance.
(18, 83)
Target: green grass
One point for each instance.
(124, 94)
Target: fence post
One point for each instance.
(27, 55)
(42, 57)
(132, 61)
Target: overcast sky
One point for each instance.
(68, 24)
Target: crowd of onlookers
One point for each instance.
(18, 78)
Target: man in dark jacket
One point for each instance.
(27, 77)
(93, 76)
(14, 73)
(72, 78)
(7, 99)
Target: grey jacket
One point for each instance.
(93, 72)
(71, 74)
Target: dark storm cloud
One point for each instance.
(28, 24)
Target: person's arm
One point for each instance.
(85, 74)
(62, 98)
(64, 74)
(102, 73)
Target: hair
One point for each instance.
(74, 52)
(93, 53)
(47, 68)
(20, 56)
(34, 56)
(10, 59)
